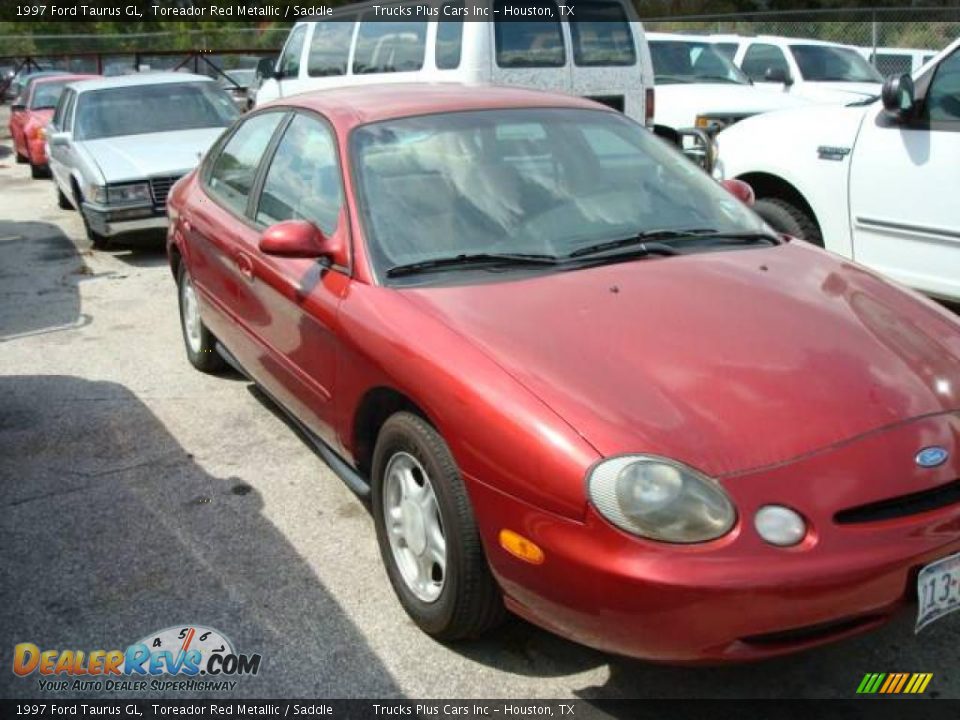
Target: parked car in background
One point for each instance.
(697, 86)
(237, 84)
(117, 145)
(580, 463)
(600, 52)
(897, 61)
(811, 69)
(875, 182)
(23, 77)
(29, 116)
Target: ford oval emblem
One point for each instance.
(932, 457)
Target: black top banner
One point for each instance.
(258, 11)
(386, 709)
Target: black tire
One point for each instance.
(783, 216)
(205, 358)
(21, 159)
(63, 202)
(470, 602)
(37, 171)
(100, 242)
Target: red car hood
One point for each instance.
(728, 361)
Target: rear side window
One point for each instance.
(528, 43)
(290, 60)
(601, 35)
(385, 47)
(235, 167)
(303, 182)
(887, 64)
(449, 37)
(330, 48)
(760, 58)
(728, 49)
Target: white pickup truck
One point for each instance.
(877, 181)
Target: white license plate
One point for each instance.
(938, 590)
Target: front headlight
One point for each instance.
(660, 499)
(96, 193)
(132, 193)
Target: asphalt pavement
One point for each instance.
(137, 494)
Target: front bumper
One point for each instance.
(111, 221)
(738, 598)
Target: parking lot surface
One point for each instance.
(138, 494)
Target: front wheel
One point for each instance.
(427, 533)
(783, 216)
(200, 344)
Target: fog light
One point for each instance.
(780, 525)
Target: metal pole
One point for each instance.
(874, 35)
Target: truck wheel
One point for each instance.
(427, 533)
(783, 216)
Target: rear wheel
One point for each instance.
(37, 171)
(21, 159)
(200, 344)
(783, 216)
(427, 534)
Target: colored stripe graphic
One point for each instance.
(894, 683)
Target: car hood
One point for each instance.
(678, 104)
(134, 157)
(728, 361)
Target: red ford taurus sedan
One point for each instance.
(579, 379)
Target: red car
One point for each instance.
(579, 379)
(29, 116)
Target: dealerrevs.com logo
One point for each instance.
(201, 658)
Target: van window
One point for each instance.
(384, 47)
(522, 43)
(760, 58)
(330, 48)
(727, 48)
(449, 37)
(889, 64)
(290, 60)
(601, 35)
(943, 97)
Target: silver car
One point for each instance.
(117, 145)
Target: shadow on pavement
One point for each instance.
(111, 531)
(143, 249)
(46, 299)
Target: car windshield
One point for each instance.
(829, 63)
(536, 182)
(161, 107)
(46, 95)
(243, 78)
(683, 61)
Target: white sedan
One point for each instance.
(875, 181)
(117, 145)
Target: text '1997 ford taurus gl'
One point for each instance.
(579, 379)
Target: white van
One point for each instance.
(599, 52)
(897, 61)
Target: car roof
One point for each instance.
(69, 77)
(147, 78)
(682, 37)
(360, 104)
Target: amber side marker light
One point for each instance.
(519, 546)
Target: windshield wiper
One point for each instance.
(666, 241)
(462, 261)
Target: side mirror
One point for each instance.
(778, 75)
(266, 68)
(59, 139)
(299, 239)
(897, 95)
(740, 190)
